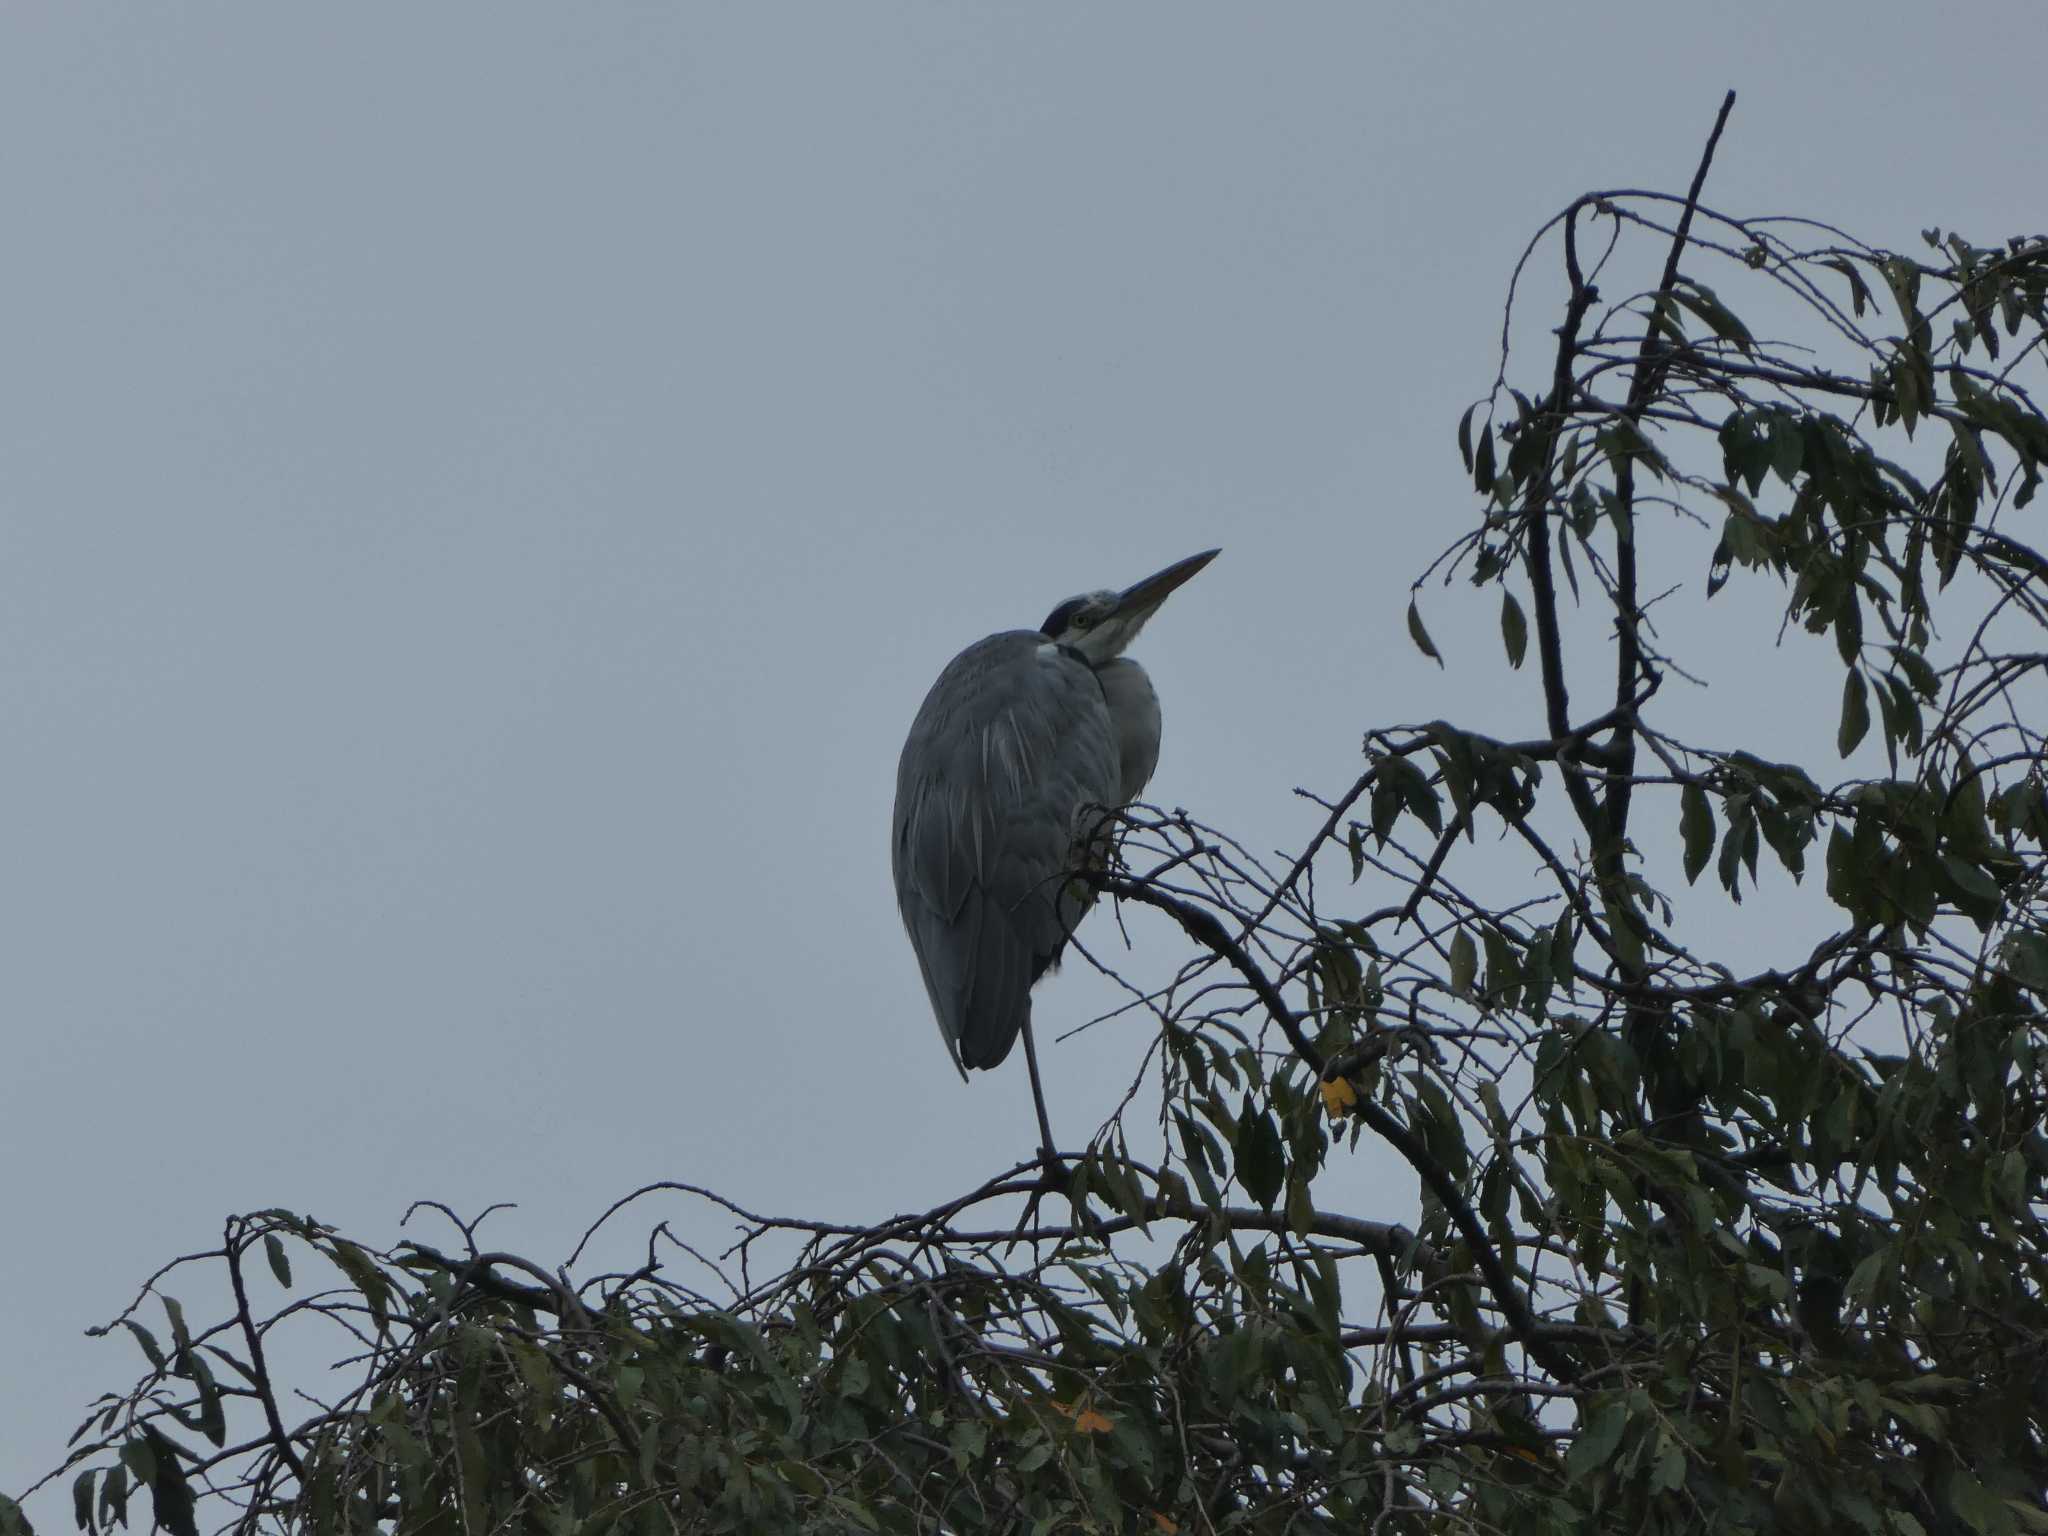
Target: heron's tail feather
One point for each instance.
(997, 1000)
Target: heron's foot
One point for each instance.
(1052, 1179)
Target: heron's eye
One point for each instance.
(1068, 616)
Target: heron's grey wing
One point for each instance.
(1011, 748)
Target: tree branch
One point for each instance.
(1642, 387)
(1204, 929)
(251, 1336)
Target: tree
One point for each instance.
(1709, 1238)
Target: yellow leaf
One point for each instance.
(1089, 1422)
(1165, 1523)
(1338, 1096)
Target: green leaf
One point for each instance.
(1482, 462)
(1918, 672)
(1788, 446)
(803, 1477)
(1595, 1443)
(1669, 1470)
(860, 1514)
(1562, 936)
(1464, 963)
(1585, 512)
(1121, 1188)
(1261, 1162)
(1625, 928)
(1738, 846)
(1980, 1508)
(1863, 1278)
(1503, 962)
(365, 1276)
(1859, 294)
(968, 1439)
(280, 1266)
(626, 1382)
(1514, 628)
(1788, 834)
(1420, 635)
(1301, 1208)
(81, 1499)
(1855, 713)
(1696, 826)
(1970, 879)
(147, 1340)
(1849, 628)
(1700, 299)
(2026, 956)
(212, 1416)
(1404, 785)
(140, 1459)
(181, 1338)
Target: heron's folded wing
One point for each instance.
(1011, 746)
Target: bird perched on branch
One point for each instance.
(1021, 749)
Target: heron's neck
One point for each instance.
(1134, 715)
(1093, 649)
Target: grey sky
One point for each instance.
(487, 486)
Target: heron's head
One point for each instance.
(1101, 624)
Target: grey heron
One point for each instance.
(1022, 746)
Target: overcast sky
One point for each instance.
(487, 486)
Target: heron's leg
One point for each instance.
(1045, 1147)
(1048, 1160)
(1054, 1171)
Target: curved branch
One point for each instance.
(1204, 929)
